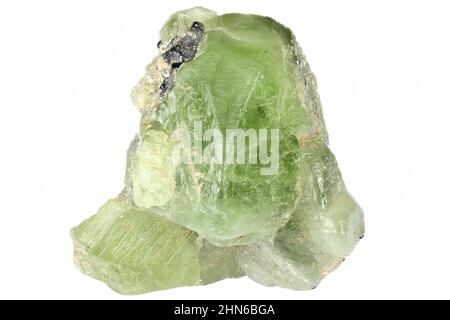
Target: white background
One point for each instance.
(66, 71)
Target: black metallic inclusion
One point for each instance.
(181, 50)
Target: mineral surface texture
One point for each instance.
(230, 174)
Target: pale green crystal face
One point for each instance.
(135, 252)
(199, 218)
(152, 161)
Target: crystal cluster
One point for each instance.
(196, 222)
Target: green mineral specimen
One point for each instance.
(245, 76)
(135, 252)
(231, 171)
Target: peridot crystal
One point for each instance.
(230, 173)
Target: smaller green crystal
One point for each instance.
(135, 252)
(322, 231)
(152, 162)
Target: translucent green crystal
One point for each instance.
(245, 75)
(320, 234)
(272, 205)
(135, 252)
